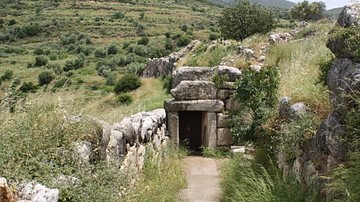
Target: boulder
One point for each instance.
(194, 105)
(232, 72)
(194, 90)
(191, 74)
(349, 16)
(83, 150)
(36, 192)
(343, 77)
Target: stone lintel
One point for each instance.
(194, 105)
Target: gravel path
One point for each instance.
(202, 176)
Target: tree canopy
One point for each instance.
(308, 11)
(245, 19)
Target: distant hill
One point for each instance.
(333, 13)
(274, 3)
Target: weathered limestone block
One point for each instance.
(224, 137)
(158, 66)
(221, 120)
(191, 74)
(209, 129)
(223, 94)
(232, 72)
(231, 104)
(194, 90)
(37, 192)
(343, 77)
(83, 151)
(194, 105)
(173, 125)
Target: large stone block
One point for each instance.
(173, 125)
(232, 72)
(194, 90)
(224, 137)
(191, 74)
(223, 94)
(209, 130)
(231, 104)
(221, 120)
(194, 105)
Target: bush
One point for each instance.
(184, 28)
(118, 15)
(56, 68)
(38, 51)
(45, 77)
(124, 99)
(40, 61)
(28, 87)
(112, 49)
(143, 41)
(213, 36)
(111, 79)
(12, 22)
(62, 82)
(256, 93)
(127, 83)
(74, 64)
(53, 56)
(7, 75)
(100, 53)
(245, 19)
(139, 50)
(183, 41)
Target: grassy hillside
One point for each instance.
(86, 46)
(333, 13)
(274, 3)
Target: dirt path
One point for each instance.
(202, 176)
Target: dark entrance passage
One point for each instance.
(190, 124)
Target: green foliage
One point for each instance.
(40, 61)
(219, 80)
(214, 153)
(74, 64)
(213, 36)
(143, 41)
(118, 15)
(7, 75)
(244, 19)
(183, 41)
(124, 99)
(184, 28)
(127, 83)
(100, 53)
(324, 66)
(256, 93)
(167, 83)
(112, 49)
(38, 51)
(308, 11)
(141, 15)
(28, 87)
(62, 82)
(350, 36)
(292, 134)
(45, 77)
(245, 181)
(111, 79)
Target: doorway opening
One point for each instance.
(190, 129)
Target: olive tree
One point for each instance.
(245, 19)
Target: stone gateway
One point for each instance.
(197, 114)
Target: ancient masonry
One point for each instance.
(197, 114)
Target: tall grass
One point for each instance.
(243, 180)
(298, 63)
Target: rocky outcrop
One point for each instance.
(317, 156)
(279, 37)
(157, 67)
(6, 195)
(38, 193)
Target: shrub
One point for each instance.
(74, 64)
(45, 77)
(213, 36)
(139, 50)
(112, 49)
(167, 83)
(169, 45)
(256, 93)
(56, 68)
(245, 19)
(183, 41)
(184, 28)
(62, 82)
(111, 79)
(12, 22)
(168, 35)
(40, 61)
(135, 67)
(7, 75)
(127, 83)
(118, 15)
(143, 41)
(324, 66)
(53, 56)
(38, 51)
(124, 99)
(28, 87)
(100, 53)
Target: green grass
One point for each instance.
(243, 180)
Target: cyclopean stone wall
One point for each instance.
(193, 89)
